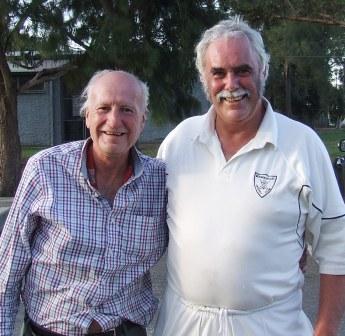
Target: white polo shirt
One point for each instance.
(237, 226)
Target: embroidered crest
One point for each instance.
(264, 183)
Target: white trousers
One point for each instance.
(180, 318)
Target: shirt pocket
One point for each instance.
(141, 236)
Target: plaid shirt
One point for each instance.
(80, 258)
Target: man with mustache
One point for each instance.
(244, 184)
(87, 223)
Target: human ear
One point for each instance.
(87, 121)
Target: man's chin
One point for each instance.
(235, 106)
(234, 114)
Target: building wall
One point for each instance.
(58, 113)
(39, 116)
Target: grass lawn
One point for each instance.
(331, 137)
(28, 151)
(149, 149)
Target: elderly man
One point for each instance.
(87, 224)
(244, 184)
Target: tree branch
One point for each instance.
(289, 4)
(324, 19)
(77, 41)
(31, 7)
(47, 74)
(108, 7)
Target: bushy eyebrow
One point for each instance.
(242, 67)
(236, 69)
(215, 70)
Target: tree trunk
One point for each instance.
(10, 149)
(288, 107)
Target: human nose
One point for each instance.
(231, 81)
(114, 117)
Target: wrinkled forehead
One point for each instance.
(117, 86)
(232, 50)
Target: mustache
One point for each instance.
(226, 94)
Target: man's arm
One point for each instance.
(15, 254)
(331, 304)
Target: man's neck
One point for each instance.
(110, 173)
(234, 136)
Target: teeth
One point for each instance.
(114, 133)
(232, 96)
(231, 99)
(236, 95)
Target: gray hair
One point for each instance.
(229, 28)
(85, 95)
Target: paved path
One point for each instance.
(310, 302)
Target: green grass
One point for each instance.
(28, 151)
(331, 137)
(149, 149)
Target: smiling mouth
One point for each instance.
(113, 133)
(234, 96)
(234, 99)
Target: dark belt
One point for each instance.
(118, 331)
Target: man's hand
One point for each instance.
(325, 331)
(331, 305)
(303, 260)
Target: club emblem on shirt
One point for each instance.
(264, 183)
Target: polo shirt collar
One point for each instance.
(207, 130)
(267, 132)
(268, 129)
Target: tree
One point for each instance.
(325, 12)
(153, 39)
(305, 42)
(18, 39)
(337, 106)
(300, 68)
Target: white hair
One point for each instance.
(85, 95)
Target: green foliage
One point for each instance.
(271, 12)
(303, 52)
(303, 48)
(337, 104)
(153, 39)
(156, 39)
